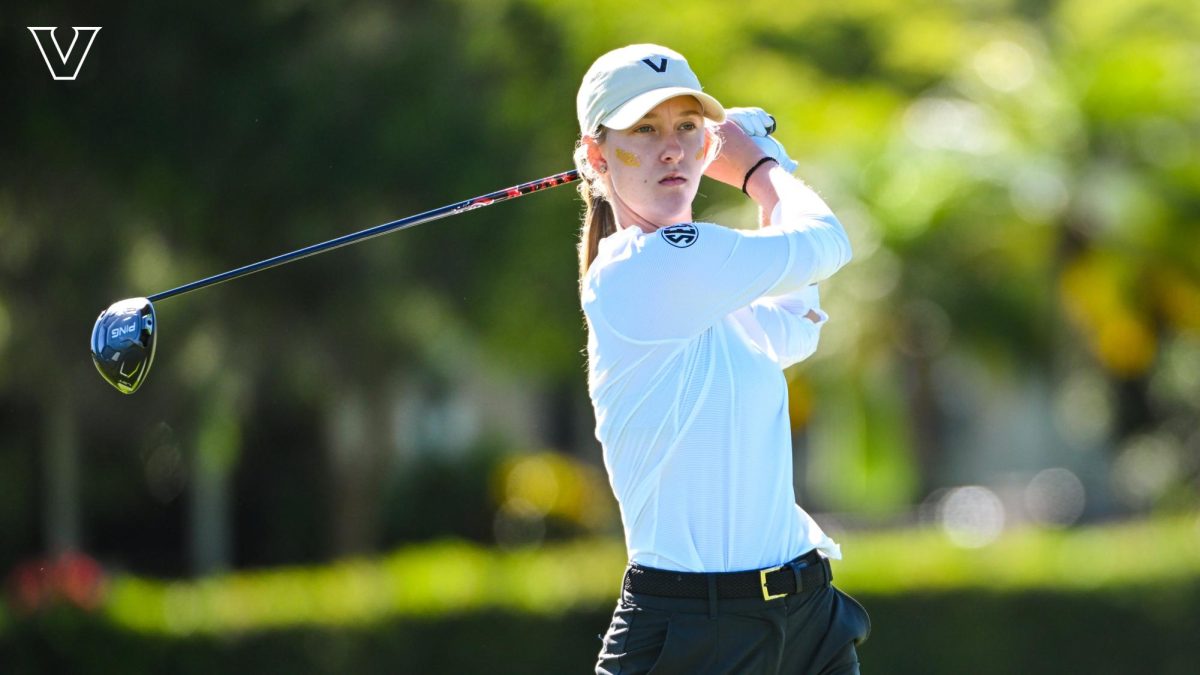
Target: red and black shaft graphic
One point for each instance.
(386, 228)
(518, 190)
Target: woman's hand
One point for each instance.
(738, 155)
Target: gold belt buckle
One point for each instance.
(762, 575)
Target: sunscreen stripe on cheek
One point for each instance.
(628, 158)
(700, 154)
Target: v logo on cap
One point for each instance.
(660, 68)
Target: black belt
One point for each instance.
(807, 572)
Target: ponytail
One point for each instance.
(598, 218)
(598, 223)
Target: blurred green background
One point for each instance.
(382, 459)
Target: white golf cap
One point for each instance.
(626, 83)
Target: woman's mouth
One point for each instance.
(672, 180)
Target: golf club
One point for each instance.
(125, 334)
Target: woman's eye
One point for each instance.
(688, 126)
(644, 129)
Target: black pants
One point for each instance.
(810, 633)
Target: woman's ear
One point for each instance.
(594, 154)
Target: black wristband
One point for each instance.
(746, 180)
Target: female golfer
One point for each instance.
(689, 328)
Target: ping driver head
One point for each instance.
(123, 342)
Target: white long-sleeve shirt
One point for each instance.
(689, 330)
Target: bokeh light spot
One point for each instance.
(1038, 194)
(972, 516)
(1003, 65)
(1083, 408)
(1055, 497)
(1145, 468)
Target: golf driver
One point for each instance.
(125, 334)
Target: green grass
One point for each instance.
(429, 580)
(1127, 554)
(454, 577)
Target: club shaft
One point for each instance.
(448, 210)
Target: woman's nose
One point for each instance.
(672, 149)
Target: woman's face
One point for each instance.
(654, 166)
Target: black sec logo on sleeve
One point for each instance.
(680, 236)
